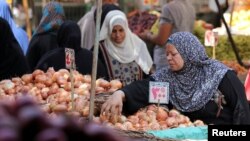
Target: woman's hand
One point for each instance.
(113, 106)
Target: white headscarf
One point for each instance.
(131, 49)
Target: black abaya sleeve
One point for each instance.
(136, 96)
(234, 92)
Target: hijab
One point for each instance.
(106, 8)
(69, 35)
(19, 33)
(53, 17)
(193, 86)
(131, 49)
(13, 62)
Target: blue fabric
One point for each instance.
(53, 17)
(196, 133)
(19, 33)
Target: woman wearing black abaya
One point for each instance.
(44, 38)
(12, 60)
(69, 36)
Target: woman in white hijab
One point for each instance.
(125, 55)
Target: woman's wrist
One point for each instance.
(122, 94)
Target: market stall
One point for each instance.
(51, 90)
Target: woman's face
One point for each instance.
(174, 58)
(118, 34)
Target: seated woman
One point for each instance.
(124, 55)
(199, 87)
(69, 36)
(12, 60)
(44, 37)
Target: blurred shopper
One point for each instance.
(214, 15)
(87, 25)
(45, 35)
(177, 15)
(247, 87)
(69, 36)
(20, 35)
(124, 55)
(12, 62)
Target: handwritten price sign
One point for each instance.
(159, 92)
(69, 58)
(211, 38)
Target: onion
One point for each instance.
(154, 126)
(61, 81)
(198, 123)
(85, 111)
(85, 86)
(173, 113)
(87, 79)
(133, 119)
(40, 85)
(17, 80)
(99, 90)
(120, 126)
(60, 108)
(152, 107)
(116, 84)
(122, 119)
(7, 84)
(161, 114)
(40, 78)
(171, 122)
(102, 83)
(48, 82)
(27, 78)
(37, 72)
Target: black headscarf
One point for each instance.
(69, 35)
(106, 8)
(12, 60)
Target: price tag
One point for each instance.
(211, 38)
(159, 92)
(69, 58)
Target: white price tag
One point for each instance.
(159, 92)
(211, 38)
(69, 58)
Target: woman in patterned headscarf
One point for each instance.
(124, 55)
(199, 87)
(44, 37)
(20, 35)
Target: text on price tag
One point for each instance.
(159, 92)
(211, 38)
(69, 58)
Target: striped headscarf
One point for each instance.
(193, 86)
(20, 35)
(53, 17)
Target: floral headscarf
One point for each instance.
(53, 17)
(193, 86)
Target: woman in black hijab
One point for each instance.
(13, 62)
(69, 36)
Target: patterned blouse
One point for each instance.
(126, 73)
